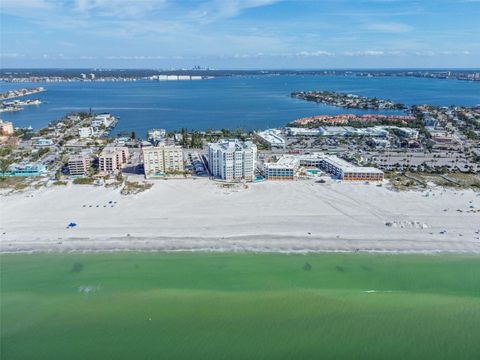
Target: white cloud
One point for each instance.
(432, 53)
(10, 5)
(365, 53)
(389, 27)
(118, 8)
(209, 29)
(11, 55)
(373, 53)
(136, 57)
(223, 9)
(315, 53)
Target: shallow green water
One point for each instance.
(238, 306)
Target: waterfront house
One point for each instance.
(43, 142)
(25, 169)
(86, 132)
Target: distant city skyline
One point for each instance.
(235, 34)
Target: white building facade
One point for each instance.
(288, 167)
(285, 168)
(86, 132)
(232, 160)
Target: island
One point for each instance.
(16, 105)
(349, 101)
(20, 92)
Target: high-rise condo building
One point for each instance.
(232, 160)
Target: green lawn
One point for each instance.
(239, 306)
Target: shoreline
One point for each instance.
(52, 250)
(279, 217)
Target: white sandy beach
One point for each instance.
(269, 216)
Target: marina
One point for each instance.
(16, 105)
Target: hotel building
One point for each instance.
(346, 171)
(159, 160)
(288, 167)
(112, 159)
(285, 168)
(232, 160)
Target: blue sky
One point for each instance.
(240, 33)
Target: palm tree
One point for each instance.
(4, 165)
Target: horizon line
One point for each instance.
(243, 69)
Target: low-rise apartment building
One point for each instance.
(271, 138)
(407, 133)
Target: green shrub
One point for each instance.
(83, 181)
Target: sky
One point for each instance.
(240, 34)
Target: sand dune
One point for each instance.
(270, 216)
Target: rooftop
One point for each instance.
(232, 145)
(286, 161)
(272, 137)
(345, 166)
